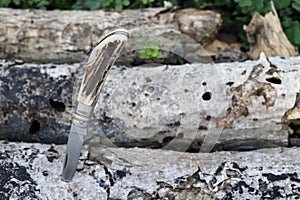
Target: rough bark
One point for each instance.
(68, 36)
(265, 34)
(33, 171)
(245, 105)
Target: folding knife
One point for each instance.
(100, 61)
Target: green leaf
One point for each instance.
(119, 6)
(246, 3)
(42, 4)
(142, 51)
(292, 31)
(106, 4)
(296, 38)
(30, 3)
(4, 3)
(287, 23)
(155, 53)
(149, 52)
(237, 1)
(242, 19)
(144, 56)
(289, 33)
(259, 4)
(91, 4)
(296, 6)
(145, 2)
(17, 2)
(281, 4)
(126, 3)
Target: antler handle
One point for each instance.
(100, 61)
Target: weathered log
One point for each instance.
(245, 105)
(36, 101)
(265, 34)
(33, 171)
(68, 36)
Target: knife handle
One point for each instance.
(100, 61)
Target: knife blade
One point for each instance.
(100, 61)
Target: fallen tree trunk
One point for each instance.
(68, 36)
(33, 171)
(246, 105)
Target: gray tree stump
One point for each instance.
(265, 34)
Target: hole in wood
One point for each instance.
(35, 127)
(208, 117)
(202, 128)
(206, 96)
(168, 139)
(295, 126)
(230, 83)
(274, 80)
(174, 124)
(58, 106)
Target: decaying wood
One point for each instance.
(34, 171)
(235, 105)
(68, 36)
(265, 34)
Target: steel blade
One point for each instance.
(73, 150)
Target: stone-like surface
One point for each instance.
(236, 105)
(189, 23)
(33, 171)
(36, 102)
(68, 36)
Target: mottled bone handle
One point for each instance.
(100, 61)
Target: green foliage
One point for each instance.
(4, 3)
(97, 4)
(117, 4)
(292, 30)
(38, 4)
(148, 49)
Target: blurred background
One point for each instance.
(235, 13)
